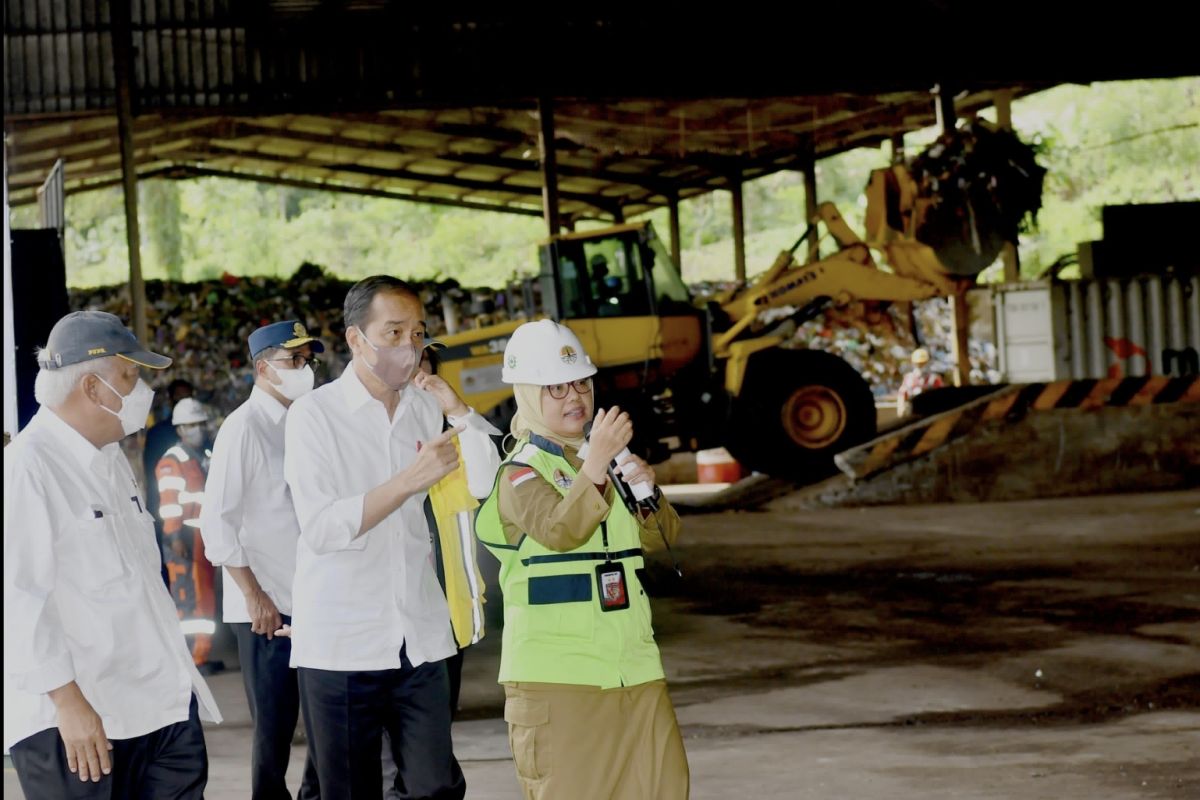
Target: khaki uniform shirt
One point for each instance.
(536, 509)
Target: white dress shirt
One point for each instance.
(357, 600)
(248, 519)
(84, 598)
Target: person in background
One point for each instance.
(919, 379)
(159, 437)
(179, 476)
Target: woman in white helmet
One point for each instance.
(587, 704)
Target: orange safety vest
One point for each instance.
(180, 480)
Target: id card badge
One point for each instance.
(611, 586)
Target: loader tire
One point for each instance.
(796, 411)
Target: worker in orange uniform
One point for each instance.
(180, 476)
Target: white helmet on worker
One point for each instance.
(544, 353)
(920, 356)
(188, 411)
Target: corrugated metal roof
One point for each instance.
(421, 102)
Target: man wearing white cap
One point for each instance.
(101, 698)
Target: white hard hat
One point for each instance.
(188, 411)
(543, 353)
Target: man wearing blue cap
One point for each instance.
(249, 528)
(101, 696)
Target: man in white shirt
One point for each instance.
(101, 698)
(370, 627)
(250, 530)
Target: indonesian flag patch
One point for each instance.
(519, 476)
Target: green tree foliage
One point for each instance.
(1109, 143)
(160, 199)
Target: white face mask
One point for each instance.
(135, 406)
(193, 437)
(295, 383)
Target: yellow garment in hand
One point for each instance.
(454, 513)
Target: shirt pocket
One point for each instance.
(94, 549)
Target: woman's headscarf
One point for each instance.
(529, 419)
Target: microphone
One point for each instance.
(632, 495)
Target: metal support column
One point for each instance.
(810, 208)
(962, 327)
(122, 37)
(1008, 253)
(549, 165)
(739, 229)
(898, 148)
(676, 244)
(944, 105)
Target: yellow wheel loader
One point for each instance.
(696, 376)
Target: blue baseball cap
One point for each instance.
(87, 335)
(286, 334)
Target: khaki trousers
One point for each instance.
(586, 743)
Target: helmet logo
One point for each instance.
(298, 331)
(512, 362)
(567, 354)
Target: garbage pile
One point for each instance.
(204, 327)
(980, 185)
(879, 342)
(876, 338)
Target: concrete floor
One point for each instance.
(1042, 649)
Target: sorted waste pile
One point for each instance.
(204, 327)
(876, 338)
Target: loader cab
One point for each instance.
(624, 271)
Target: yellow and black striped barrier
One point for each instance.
(1011, 403)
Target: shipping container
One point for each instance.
(1098, 328)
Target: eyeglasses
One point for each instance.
(559, 390)
(298, 361)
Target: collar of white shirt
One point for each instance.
(83, 451)
(274, 409)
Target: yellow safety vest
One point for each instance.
(453, 511)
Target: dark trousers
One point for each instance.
(170, 763)
(454, 673)
(345, 714)
(273, 693)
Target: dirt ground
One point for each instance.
(1009, 650)
(973, 633)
